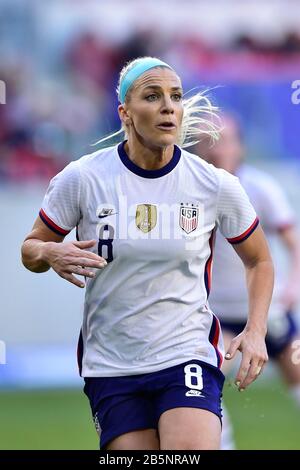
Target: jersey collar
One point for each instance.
(148, 173)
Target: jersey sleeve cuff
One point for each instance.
(50, 224)
(245, 234)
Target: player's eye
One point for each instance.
(151, 97)
(177, 96)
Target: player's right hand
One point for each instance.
(69, 258)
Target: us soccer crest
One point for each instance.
(146, 217)
(188, 217)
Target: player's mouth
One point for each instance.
(166, 126)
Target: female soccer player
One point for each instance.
(150, 349)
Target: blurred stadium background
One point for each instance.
(59, 62)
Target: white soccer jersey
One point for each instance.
(229, 298)
(147, 309)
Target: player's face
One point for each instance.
(153, 111)
(228, 152)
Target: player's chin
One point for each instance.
(166, 139)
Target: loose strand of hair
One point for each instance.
(200, 120)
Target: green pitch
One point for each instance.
(264, 418)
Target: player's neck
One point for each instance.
(148, 158)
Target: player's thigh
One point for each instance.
(289, 368)
(189, 429)
(144, 439)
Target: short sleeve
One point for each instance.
(60, 209)
(236, 217)
(276, 210)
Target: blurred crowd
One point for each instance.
(53, 114)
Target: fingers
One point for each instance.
(81, 271)
(248, 372)
(248, 376)
(77, 282)
(72, 258)
(90, 263)
(84, 244)
(83, 268)
(84, 255)
(73, 280)
(234, 346)
(252, 345)
(259, 369)
(242, 372)
(89, 255)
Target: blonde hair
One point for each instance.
(200, 117)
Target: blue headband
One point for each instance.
(136, 71)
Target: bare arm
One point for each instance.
(43, 249)
(290, 239)
(255, 255)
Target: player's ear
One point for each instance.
(124, 114)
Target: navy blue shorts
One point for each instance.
(124, 404)
(279, 336)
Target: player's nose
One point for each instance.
(167, 105)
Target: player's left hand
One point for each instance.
(251, 343)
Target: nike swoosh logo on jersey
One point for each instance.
(106, 213)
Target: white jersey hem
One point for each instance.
(149, 369)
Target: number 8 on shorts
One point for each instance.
(193, 376)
